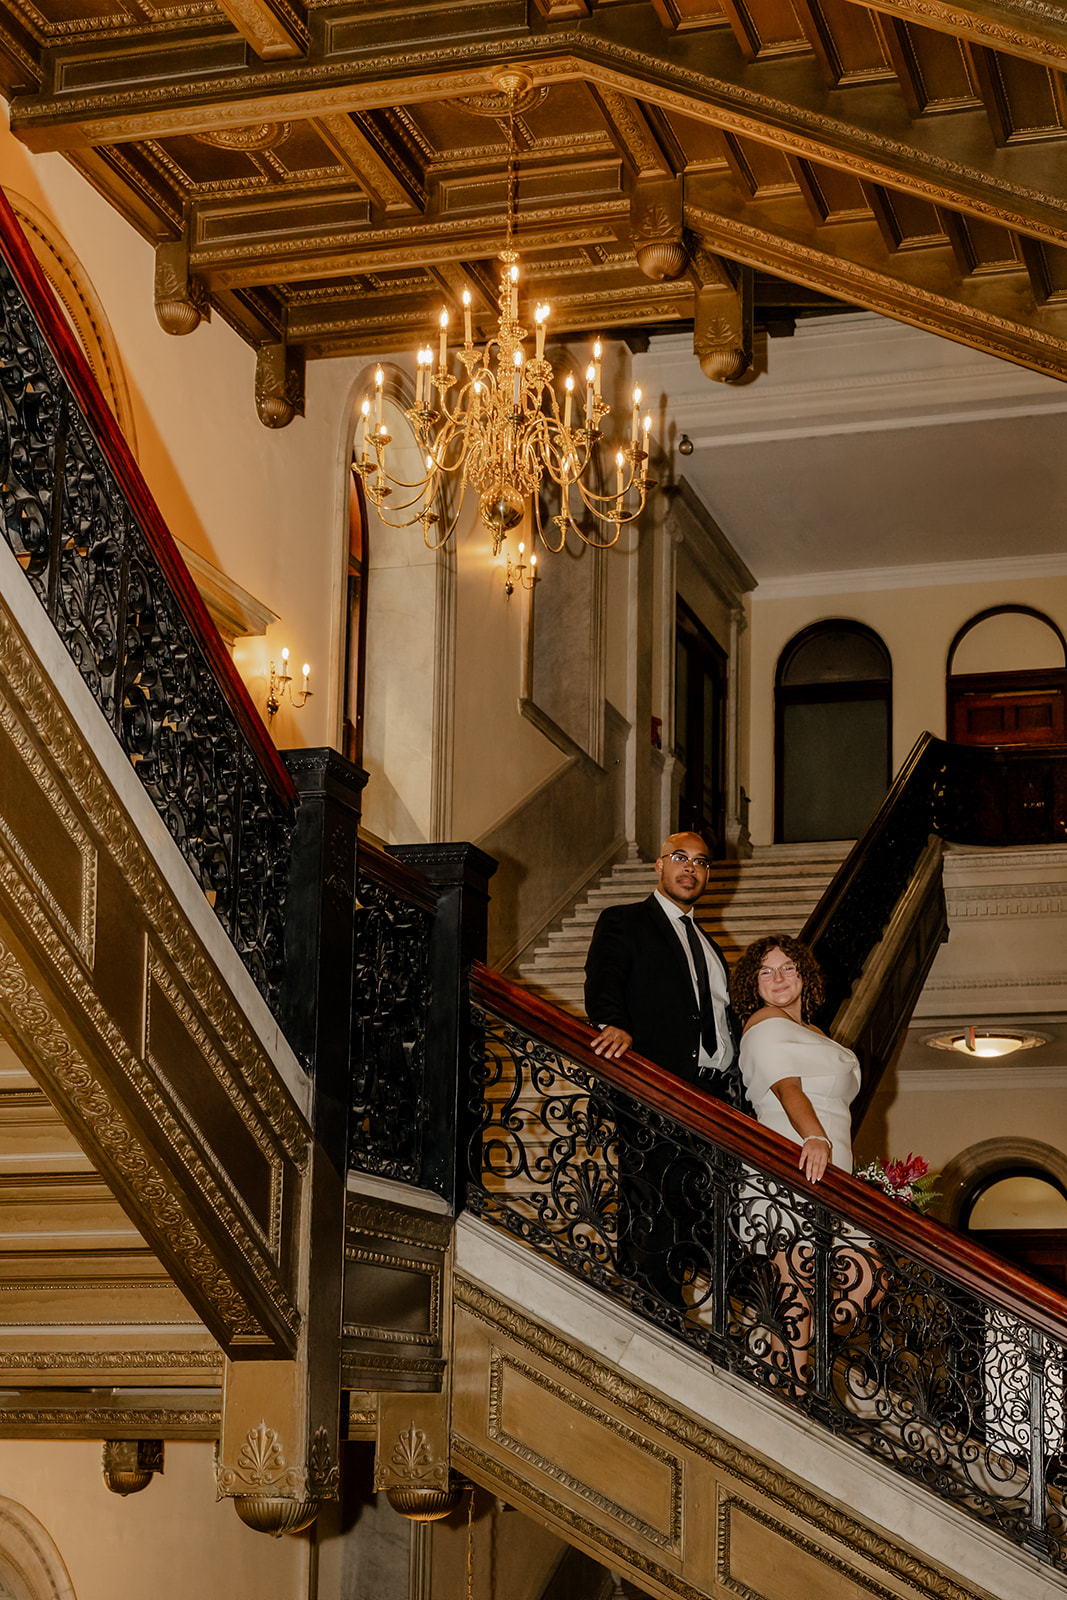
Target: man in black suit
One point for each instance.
(655, 983)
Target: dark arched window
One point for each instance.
(1006, 679)
(833, 731)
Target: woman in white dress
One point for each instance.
(801, 1084)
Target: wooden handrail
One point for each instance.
(35, 287)
(931, 1243)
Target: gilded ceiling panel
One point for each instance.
(858, 152)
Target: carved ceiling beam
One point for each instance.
(274, 28)
(1037, 33)
(430, 243)
(926, 288)
(949, 160)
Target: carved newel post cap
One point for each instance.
(274, 1514)
(423, 1502)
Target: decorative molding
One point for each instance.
(725, 1509)
(208, 1361)
(373, 1220)
(936, 575)
(669, 1539)
(44, 1040)
(1007, 900)
(649, 1410)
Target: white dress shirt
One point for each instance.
(720, 994)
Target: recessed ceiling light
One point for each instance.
(987, 1042)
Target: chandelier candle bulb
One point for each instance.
(365, 409)
(467, 337)
(635, 424)
(590, 380)
(518, 378)
(596, 369)
(379, 386)
(540, 317)
(443, 360)
(619, 460)
(568, 397)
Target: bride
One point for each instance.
(801, 1083)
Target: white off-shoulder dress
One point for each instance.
(829, 1074)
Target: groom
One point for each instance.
(655, 983)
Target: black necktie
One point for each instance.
(707, 1012)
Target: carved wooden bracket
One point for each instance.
(181, 300)
(129, 1465)
(412, 1461)
(657, 229)
(279, 385)
(722, 315)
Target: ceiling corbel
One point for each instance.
(181, 299)
(279, 384)
(657, 228)
(722, 314)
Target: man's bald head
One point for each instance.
(682, 868)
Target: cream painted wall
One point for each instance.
(170, 1541)
(917, 624)
(500, 757)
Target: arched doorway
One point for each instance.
(1006, 679)
(833, 732)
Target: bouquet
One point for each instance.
(909, 1181)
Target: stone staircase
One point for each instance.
(774, 890)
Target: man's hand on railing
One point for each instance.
(612, 1042)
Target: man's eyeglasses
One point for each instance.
(693, 861)
(767, 974)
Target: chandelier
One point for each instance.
(497, 426)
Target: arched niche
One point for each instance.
(1006, 679)
(72, 287)
(408, 593)
(833, 731)
(31, 1567)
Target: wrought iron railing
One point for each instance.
(885, 1328)
(83, 526)
(964, 793)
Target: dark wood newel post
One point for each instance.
(460, 873)
(320, 933)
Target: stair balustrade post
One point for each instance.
(320, 913)
(461, 874)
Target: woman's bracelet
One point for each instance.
(821, 1138)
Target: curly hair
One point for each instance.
(744, 981)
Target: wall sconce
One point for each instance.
(281, 685)
(518, 576)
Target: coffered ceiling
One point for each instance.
(324, 175)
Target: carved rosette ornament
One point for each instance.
(268, 1494)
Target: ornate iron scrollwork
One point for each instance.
(958, 1394)
(92, 567)
(391, 992)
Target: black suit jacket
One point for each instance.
(637, 978)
